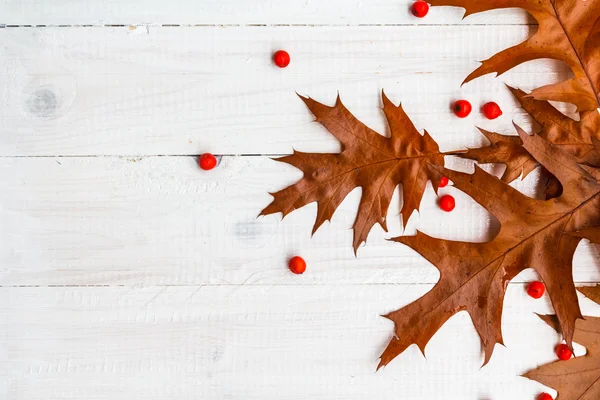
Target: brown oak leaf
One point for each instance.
(569, 30)
(591, 233)
(533, 234)
(503, 149)
(591, 292)
(368, 160)
(577, 378)
(579, 138)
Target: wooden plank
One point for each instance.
(183, 91)
(254, 342)
(163, 221)
(332, 12)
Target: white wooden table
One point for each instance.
(126, 272)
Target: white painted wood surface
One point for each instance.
(221, 12)
(254, 342)
(174, 91)
(163, 221)
(128, 273)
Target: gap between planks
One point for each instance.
(244, 25)
(140, 156)
(306, 285)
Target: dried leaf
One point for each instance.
(577, 378)
(591, 233)
(368, 160)
(575, 137)
(579, 138)
(503, 149)
(591, 292)
(552, 188)
(569, 30)
(534, 234)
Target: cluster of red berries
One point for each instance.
(536, 290)
(462, 109)
(446, 202)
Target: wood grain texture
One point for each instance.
(332, 12)
(253, 342)
(163, 221)
(189, 296)
(182, 91)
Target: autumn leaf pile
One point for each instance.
(538, 234)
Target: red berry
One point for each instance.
(297, 265)
(462, 108)
(447, 203)
(207, 161)
(563, 352)
(420, 9)
(491, 110)
(536, 289)
(281, 58)
(544, 396)
(443, 181)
